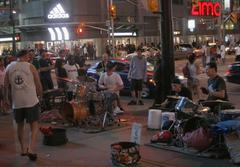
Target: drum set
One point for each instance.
(89, 108)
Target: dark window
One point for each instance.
(178, 2)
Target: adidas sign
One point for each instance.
(58, 13)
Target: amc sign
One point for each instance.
(206, 9)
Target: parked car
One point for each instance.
(122, 68)
(233, 73)
(181, 51)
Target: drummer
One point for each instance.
(178, 89)
(111, 81)
(217, 89)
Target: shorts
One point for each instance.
(31, 114)
(136, 84)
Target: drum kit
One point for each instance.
(89, 108)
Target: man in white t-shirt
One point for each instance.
(111, 81)
(222, 51)
(72, 73)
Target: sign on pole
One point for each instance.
(136, 133)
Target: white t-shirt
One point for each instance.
(72, 74)
(110, 81)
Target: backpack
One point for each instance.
(186, 72)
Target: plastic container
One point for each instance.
(154, 119)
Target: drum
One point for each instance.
(81, 91)
(229, 114)
(74, 112)
(98, 96)
(185, 104)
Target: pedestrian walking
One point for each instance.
(23, 86)
(223, 52)
(194, 71)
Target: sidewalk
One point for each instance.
(93, 150)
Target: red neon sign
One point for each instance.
(206, 9)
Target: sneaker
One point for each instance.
(140, 102)
(117, 110)
(132, 102)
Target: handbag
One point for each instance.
(199, 139)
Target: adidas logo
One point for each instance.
(58, 13)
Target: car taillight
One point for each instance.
(227, 72)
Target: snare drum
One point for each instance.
(229, 114)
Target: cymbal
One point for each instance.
(174, 97)
(215, 102)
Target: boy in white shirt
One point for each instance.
(111, 81)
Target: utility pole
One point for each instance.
(12, 22)
(167, 64)
(112, 26)
(165, 69)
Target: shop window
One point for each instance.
(4, 3)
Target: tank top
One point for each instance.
(22, 83)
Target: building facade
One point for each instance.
(56, 24)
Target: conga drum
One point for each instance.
(74, 112)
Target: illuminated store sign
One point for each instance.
(58, 33)
(58, 13)
(206, 9)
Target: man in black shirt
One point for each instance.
(45, 70)
(179, 90)
(216, 85)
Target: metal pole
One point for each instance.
(167, 67)
(11, 17)
(108, 22)
(112, 26)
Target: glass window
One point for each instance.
(178, 2)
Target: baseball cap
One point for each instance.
(176, 81)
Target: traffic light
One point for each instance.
(113, 11)
(153, 5)
(79, 29)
